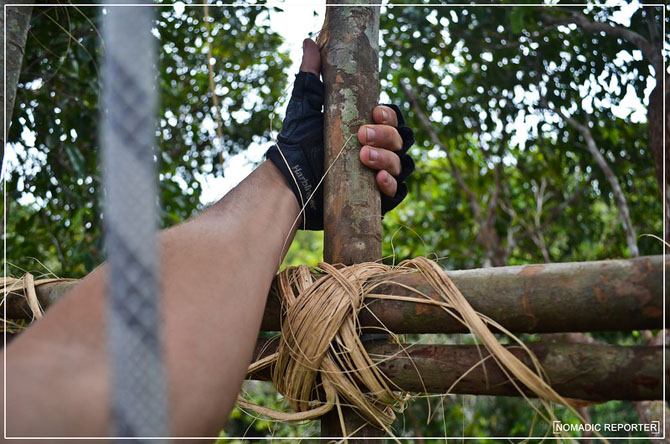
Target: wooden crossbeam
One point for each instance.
(587, 372)
(614, 295)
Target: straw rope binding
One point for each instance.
(321, 363)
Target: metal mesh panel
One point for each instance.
(138, 380)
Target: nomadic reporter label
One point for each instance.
(653, 427)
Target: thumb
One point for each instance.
(311, 58)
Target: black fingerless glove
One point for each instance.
(298, 153)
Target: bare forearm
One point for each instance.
(215, 274)
(238, 248)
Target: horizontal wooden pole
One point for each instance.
(614, 295)
(578, 371)
(47, 295)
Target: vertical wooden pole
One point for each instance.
(350, 66)
(352, 209)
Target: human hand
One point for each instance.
(298, 153)
(385, 146)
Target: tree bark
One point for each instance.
(658, 121)
(17, 23)
(350, 65)
(578, 371)
(616, 295)
(352, 206)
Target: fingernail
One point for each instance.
(385, 116)
(369, 134)
(373, 154)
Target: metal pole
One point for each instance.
(352, 208)
(138, 380)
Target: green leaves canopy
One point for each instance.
(489, 80)
(59, 107)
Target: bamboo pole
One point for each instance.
(352, 208)
(589, 372)
(613, 295)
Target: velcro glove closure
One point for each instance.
(299, 150)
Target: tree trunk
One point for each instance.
(658, 121)
(352, 207)
(17, 23)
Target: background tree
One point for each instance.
(492, 91)
(16, 24)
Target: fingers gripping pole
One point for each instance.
(137, 377)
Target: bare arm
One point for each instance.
(216, 270)
(216, 273)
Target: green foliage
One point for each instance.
(58, 99)
(244, 424)
(488, 78)
(306, 249)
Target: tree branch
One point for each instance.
(615, 31)
(538, 237)
(425, 122)
(555, 212)
(497, 179)
(619, 198)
